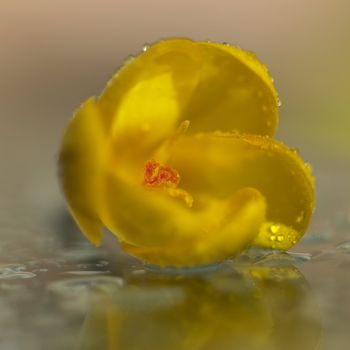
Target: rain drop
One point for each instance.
(274, 228)
(300, 218)
(145, 47)
(280, 238)
(344, 246)
(251, 55)
(308, 167)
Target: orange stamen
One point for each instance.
(156, 174)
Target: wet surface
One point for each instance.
(59, 292)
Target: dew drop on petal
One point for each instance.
(280, 238)
(301, 216)
(274, 228)
(145, 47)
(295, 150)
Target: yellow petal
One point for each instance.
(226, 228)
(221, 164)
(140, 215)
(234, 92)
(81, 158)
(214, 86)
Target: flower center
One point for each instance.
(157, 175)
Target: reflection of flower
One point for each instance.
(256, 308)
(176, 158)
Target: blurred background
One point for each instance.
(55, 54)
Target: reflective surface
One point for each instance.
(61, 293)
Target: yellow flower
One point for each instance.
(176, 158)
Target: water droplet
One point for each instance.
(14, 271)
(280, 238)
(251, 55)
(278, 258)
(129, 59)
(308, 167)
(300, 218)
(274, 228)
(279, 103)
(344, 246)
(145, 47)
(12, 267)
(41, 270)
(77, 286)
(16, 275)
(295, 150)
(300, 257)
(272, 238)
(102, 263)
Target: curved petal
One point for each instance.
(234, 92)
(147, 216)
(220, 164)
(230, 227)
(139, 215)
(214, 86)
(80, 162)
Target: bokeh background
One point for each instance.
(55, 54)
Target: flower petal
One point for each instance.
(234, 92)
(220, 164)
(81, 156)
(214, 86)
(230, 226)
